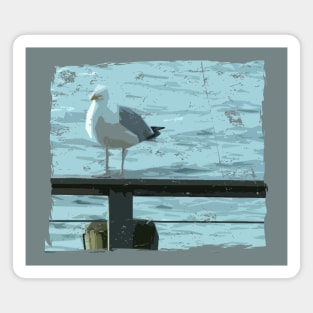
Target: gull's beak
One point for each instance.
(95, 97)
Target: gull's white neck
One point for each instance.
(108, 111)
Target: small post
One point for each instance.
(120, 222)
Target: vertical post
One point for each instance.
(120, 222)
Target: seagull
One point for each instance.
(114, 126)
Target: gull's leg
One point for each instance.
(107, 160)
(124, 153)
(107, 172)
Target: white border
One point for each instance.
(19, 218)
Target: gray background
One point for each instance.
(40, 70)
(240, 17)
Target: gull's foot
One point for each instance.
(117, 175)
(121, 174)
(105, 175)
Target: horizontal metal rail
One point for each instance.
(160, 187)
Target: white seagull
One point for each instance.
(114, 126)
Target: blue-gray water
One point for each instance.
(212, 114)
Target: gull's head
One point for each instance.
(100, 93)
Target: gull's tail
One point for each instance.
(156, 132)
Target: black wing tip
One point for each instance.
(156, 132)
(156, 128)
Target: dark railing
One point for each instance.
(121, 191)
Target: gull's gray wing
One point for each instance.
(134, 123)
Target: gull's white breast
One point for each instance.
(90, 128)
(103, 125)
